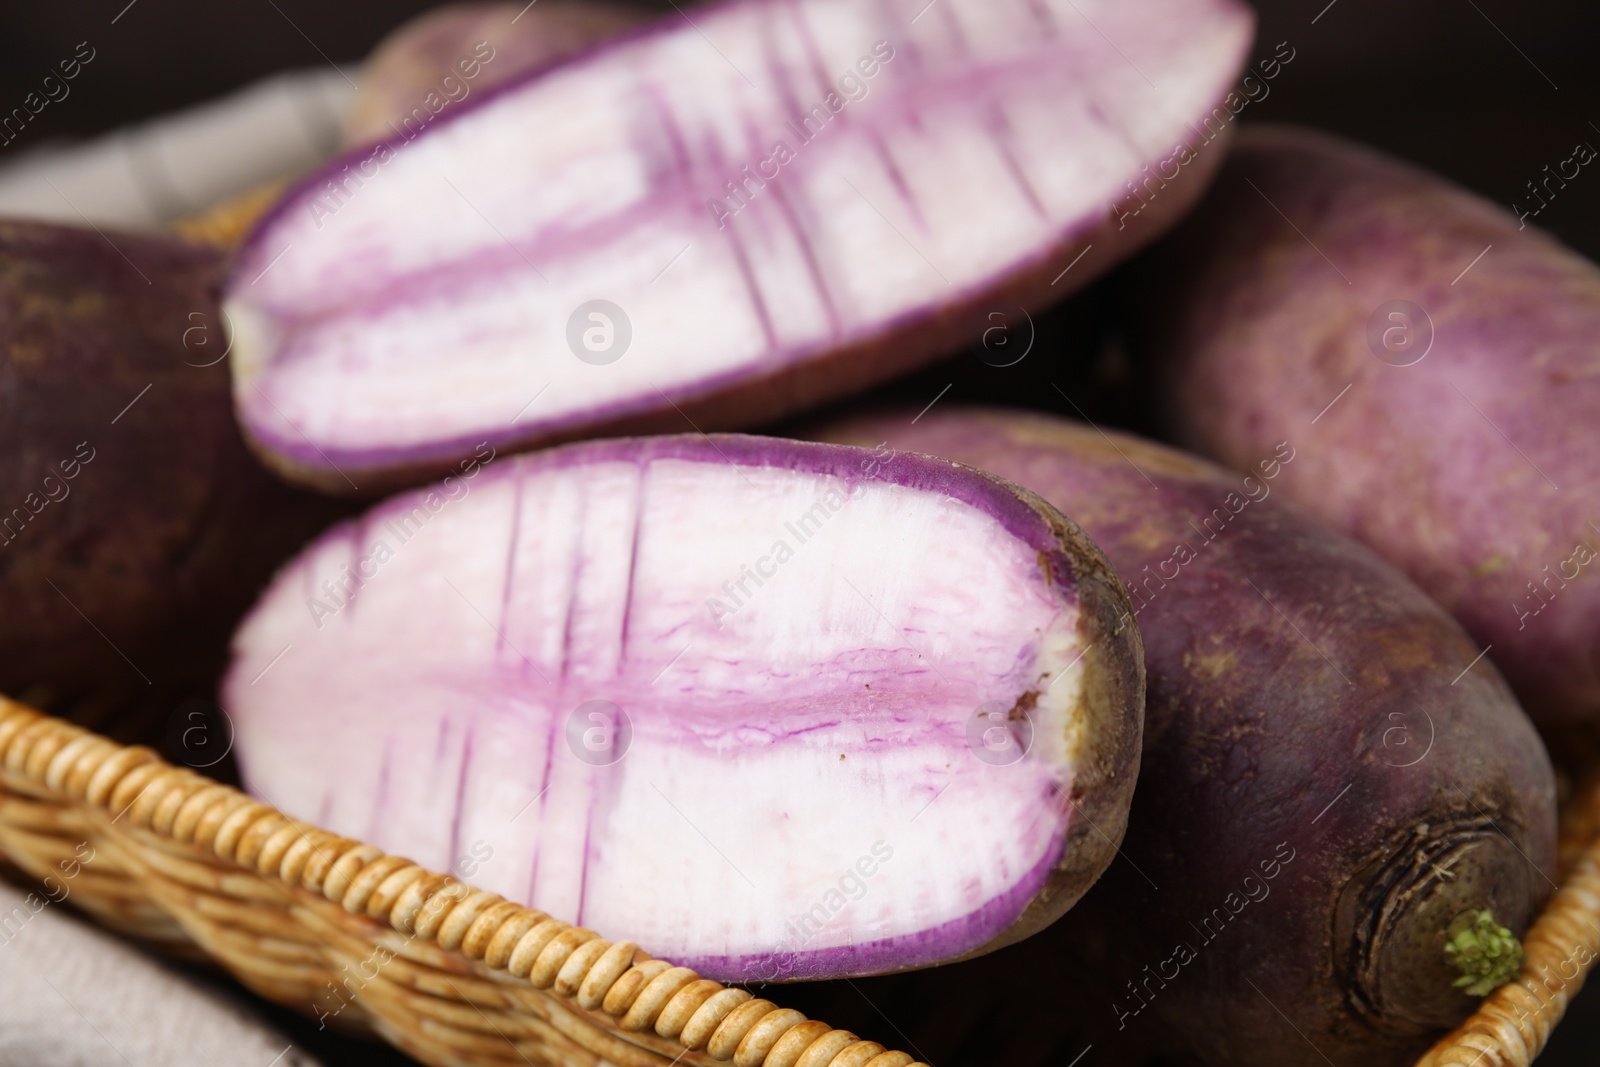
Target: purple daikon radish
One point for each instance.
(712, 223)
(774, 710)
(1464, 452)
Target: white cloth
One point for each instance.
(144, 176)
(74, 996)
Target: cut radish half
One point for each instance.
(774, 710)
(717, 222)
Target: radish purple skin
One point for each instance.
(136, 523)
(306, 741)
(1257, 746)
(1471, 470)
(342, 313)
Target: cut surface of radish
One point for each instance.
(773, 710)
(725, 219)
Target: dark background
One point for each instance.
(1434, 81)
(1485, 91)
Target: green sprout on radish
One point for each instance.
(1487, 954)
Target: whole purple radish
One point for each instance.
(718, 221)
(773, 709)
(1339, 804)
(135, 528)
(440, 58)
(1435, 361)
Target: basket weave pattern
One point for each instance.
(1513, 1024)
(457, 976)
(450, 974)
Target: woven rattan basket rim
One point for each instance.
(633, 993)
(626, 990)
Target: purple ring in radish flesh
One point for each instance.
(732, 697)
(789, 201)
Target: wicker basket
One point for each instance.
(458, 976)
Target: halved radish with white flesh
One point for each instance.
(717, 222)
(774, 710)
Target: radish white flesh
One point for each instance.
(911, 736)
(779, 202)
